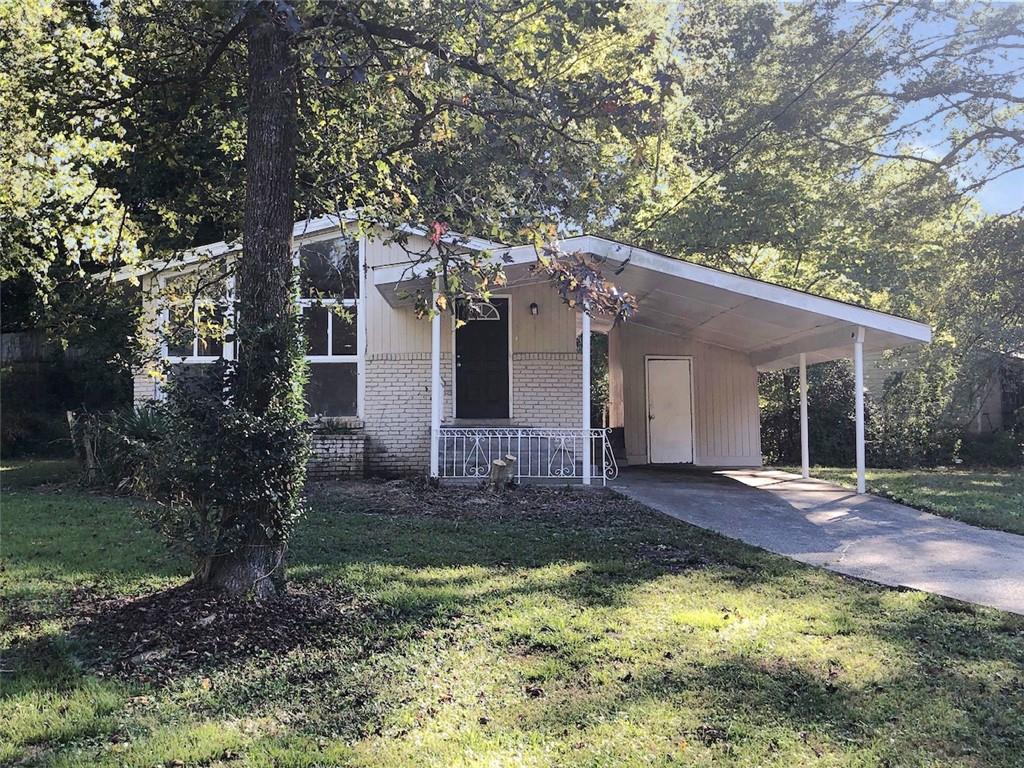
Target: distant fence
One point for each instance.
(32, 347)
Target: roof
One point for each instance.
(770, 323)
(305, 228)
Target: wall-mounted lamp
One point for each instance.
(534, 309)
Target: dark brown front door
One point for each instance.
(481, 364)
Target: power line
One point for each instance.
(768, 122)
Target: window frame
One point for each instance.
(227, 348)
(228, 353)
(357, 303)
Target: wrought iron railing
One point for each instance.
(541, 454)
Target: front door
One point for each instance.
(481, 363)
(670, 410)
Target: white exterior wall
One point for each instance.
(144, 386)
(726, 418)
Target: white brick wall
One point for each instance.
(396, 432)
(547, 389)
(337, 456)
(397, 411)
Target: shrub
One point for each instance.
(830, 424)
(131, 460)
(212, 460)
(998, 449)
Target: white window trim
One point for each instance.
(227, 352)
(327, 304)
(358, 303)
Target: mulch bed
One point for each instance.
(420, 497)
(187, 630)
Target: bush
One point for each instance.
(830, 425)
(998, 449)
(208, 461)
(131, 461)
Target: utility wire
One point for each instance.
(768, 122)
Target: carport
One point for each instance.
(691, 316)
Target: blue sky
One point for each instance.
(1005, 194)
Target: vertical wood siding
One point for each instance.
(726, 426)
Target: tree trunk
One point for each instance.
(265, 325)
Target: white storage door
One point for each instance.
(670, 410)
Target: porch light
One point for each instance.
(534, 309)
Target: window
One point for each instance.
(329, 301)
(194, 317)
(328, 279)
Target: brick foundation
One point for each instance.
(337, 456)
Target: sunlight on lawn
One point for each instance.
(991, 499)
(520, 640)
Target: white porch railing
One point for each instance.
(541, 454)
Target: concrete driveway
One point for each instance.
(822, 524)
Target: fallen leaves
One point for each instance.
(186, 630)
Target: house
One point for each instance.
(405, 395)
(995, 405)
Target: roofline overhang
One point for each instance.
(622, 255)
(301, 230)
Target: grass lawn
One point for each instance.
(993, 499)
(553, 629)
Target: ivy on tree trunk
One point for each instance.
(267, 346)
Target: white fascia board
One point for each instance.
(755, 289)
(183, 259)
(300, 230)
(454, 238)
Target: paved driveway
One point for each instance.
(860, 535)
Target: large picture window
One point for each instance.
(328, 283)
(329, 301)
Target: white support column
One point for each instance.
(805, 456)
(435, 392)
(586, 399)
(858, 400)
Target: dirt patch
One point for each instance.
(188, 630)
(673, 559)
(420, 497)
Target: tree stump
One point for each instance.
(502, 472)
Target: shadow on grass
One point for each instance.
(549, 585)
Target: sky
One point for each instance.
(1005, 194)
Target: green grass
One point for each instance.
(541, 633)
(992, 499)
(34, 472)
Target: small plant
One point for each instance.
(133, 439)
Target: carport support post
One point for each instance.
(586, 399)
(858, 402)
(805, 458)
(435, 391)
